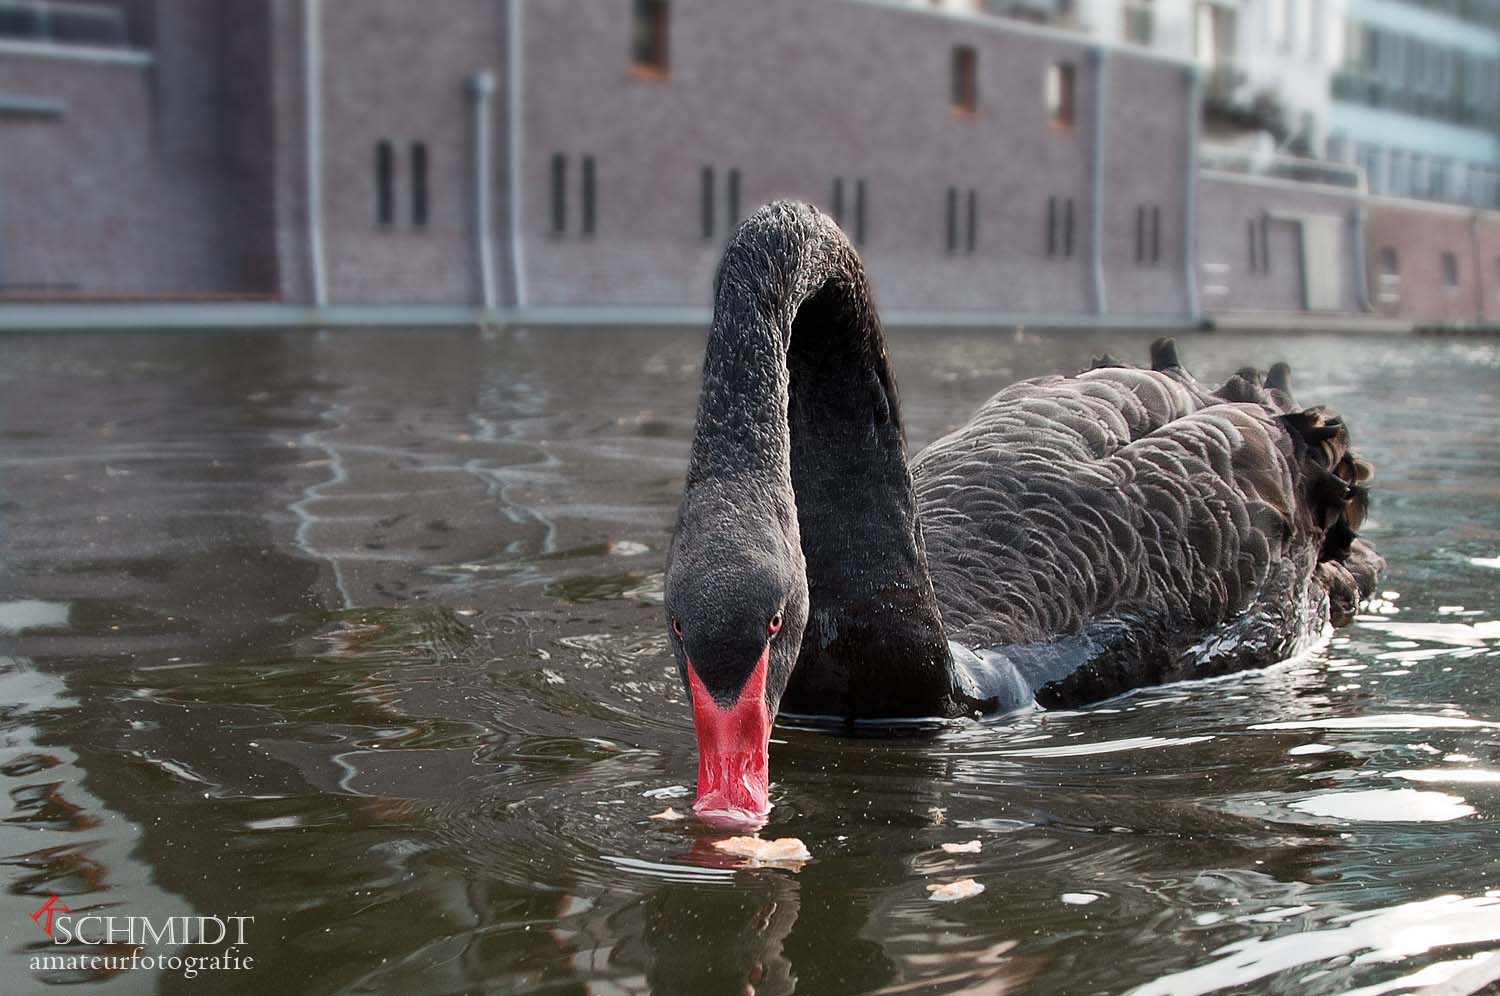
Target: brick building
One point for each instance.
(586, 159)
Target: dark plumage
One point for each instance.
(1088, 533)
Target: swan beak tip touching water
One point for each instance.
(736, 625)
(733, 750)
(1079, 537)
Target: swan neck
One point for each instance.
(799, 398)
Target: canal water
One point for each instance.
(359, 634)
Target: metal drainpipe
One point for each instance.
(1190, 198)
(515, 215)
(1361, 262)
(482, 85)
(312, 61)
(1100, 58)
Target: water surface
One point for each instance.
(360, 634)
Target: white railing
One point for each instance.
(1227, 159)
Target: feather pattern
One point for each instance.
(1080, 536)
(1145, 505)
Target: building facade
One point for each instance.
(1416, 99)
(588, 158)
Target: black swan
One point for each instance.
(1079, 537)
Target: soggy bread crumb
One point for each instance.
(964, 888)
(781, 851)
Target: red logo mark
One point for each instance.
(50, 907)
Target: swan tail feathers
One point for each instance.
(1279, 386)
(1271, 388)
(1164, 355)
(1337, 499)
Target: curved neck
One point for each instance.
(798, 399)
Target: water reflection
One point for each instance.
(1387, 936)
(361, 635)
(1386, 806)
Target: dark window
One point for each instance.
(1155, 234)
(952, 219)
(1060, 226)
(1450, 270)
(419, 184)
(559, 194)
(1390, 263)
(859, 212)
(732, 197)
(972, 220)
(385, 183)
(67, 23)
(1265, 243)
(588, 195)
(838, 199)
(1254, 246)
(708, 201)
(1140, 233)
(964, 83)
(1059, 95)
(649, 38)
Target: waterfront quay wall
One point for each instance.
(1434, 264)
(491, 158)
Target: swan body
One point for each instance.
(1079, 536)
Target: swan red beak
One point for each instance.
(733, 750)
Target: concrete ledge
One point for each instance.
(65, 316)
(1281, 183)
(33, 316)
(138, 316)
(76, 53)
(15, 105)
(1301, 321)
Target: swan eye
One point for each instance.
(677, 627)
(775, 625)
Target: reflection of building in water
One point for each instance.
(63, 841)
(1035, 160)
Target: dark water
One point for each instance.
(359, 635)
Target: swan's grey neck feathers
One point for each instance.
(799, 421)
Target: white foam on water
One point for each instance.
(1385, 935)
(31, 613)
(1391, 721)
(1471, 775)
(1386, 806)
(1084, 750)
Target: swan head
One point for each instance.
(736, 600)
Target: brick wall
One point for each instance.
(188, 175)
(399, 71)
(1147, 167)
(1228, 205)
(795, 94)
(133, 188)
(1421, 234)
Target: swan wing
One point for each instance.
(1149, 513)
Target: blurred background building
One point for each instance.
(1043, 161)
